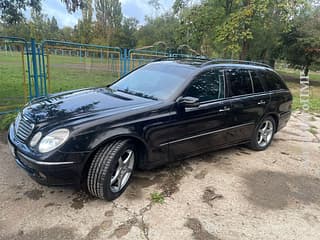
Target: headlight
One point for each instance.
(53, 140)
(36, 138)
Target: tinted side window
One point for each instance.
(271, 81)
(239, 82)
(257, 85)
(207, 86)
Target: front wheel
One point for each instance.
(111, 169)
(263, 134)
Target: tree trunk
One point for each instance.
(306, 70)
(228, 7)
(272, 63)
(244, 50)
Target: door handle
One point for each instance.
(261, 102)
(225, 109)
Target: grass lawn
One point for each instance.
(73, 78)
(314, 76)
(11, 81)
(292, 78)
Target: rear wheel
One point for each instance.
(263, 134)
(111, 169)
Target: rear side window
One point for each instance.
(239, 82)
(207, 86)
(257, 85)
(271, 81)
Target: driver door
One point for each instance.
(201, 129)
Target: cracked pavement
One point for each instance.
(233, 193)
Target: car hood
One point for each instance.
(80, 103)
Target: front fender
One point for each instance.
(112, 134)
(90, 141)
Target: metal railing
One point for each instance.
(14, 92)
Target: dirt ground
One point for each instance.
(230, 194)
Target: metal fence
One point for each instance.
(73, 65)
(14, 75)
(141, 57)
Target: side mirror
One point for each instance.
(189, 102)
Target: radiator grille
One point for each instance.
(23, 128)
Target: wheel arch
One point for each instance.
(275, 117)
(139, 142)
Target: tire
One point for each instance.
(261, 140)
(107, 178)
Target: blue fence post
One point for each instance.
(35, 69)
(40, 71)
(27, 52)
(121, 62)
(44, 68)
(125, 61)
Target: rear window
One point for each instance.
(239, 82)
(271, 81)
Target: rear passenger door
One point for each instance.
(248, 101)
(262, 96)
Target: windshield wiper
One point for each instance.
(139, 94)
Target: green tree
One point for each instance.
(67, 34)
(109, 17)
(236, 33)
(231, 27)
(198, 24)
(39, 26)
(11, 12)
(301, 45)
(125, 36)
(162, 28)
(85, 25)
(54, 25)
(53, 31)
(179, 5)
(73, 5)
(19, 30)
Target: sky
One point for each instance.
(130, 8)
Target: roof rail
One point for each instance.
(213, 61)
(181, 57)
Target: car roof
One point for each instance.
(197, 64)
(180, 63)
(239, 65)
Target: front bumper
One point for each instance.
(66, 171)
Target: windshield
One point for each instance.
(154, 81)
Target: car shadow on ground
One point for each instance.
(277, 190)
(165, 179)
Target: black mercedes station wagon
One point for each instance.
(164, 111)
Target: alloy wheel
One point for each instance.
(123, 171)
(265, 133)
